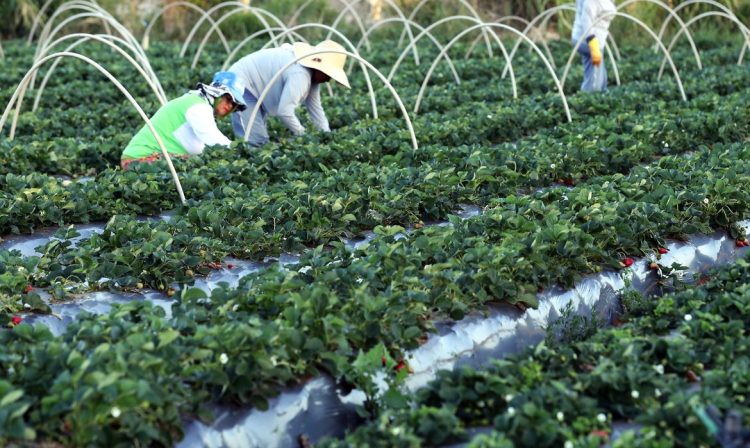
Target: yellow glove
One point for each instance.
(595, 50)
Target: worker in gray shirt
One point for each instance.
(299, 84)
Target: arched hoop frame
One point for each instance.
(278, 75)
(117, 84)
(672, 14)
(473, 20)
(250, 38)
(399, 13)
(413, 17)
(420, 28)
(743, 29)
(215, 26)
(493, 26)
(713, 3)
(238, 7)
(162, 11)
(505, 20)
(104, 39)
(82, 7)
(349, 43)
(645, 28)
(347, 7)
(47, 36)
(43, 9)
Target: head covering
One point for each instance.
(332, 64)
(228, 83)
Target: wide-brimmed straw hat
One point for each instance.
(332, 64)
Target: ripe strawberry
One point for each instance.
(627, 262)
(663, 250)
(401, 366)
(600, 433)
(230, 266)
(740, 243)
(28, 289)
(15, 320)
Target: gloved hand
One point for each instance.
(595, 50)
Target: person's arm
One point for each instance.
(315, 109)
(296, 87)
(201, 119)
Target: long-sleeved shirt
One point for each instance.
(201, 130)
(587, 14)
(293, 89)
(185, 126)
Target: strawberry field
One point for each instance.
(131, 319)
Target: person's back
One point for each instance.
(257, 70)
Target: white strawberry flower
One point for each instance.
(659, 369)
(635, 394)
(223, 358)
(511, 411)
(560, 416)
(115, 411)
(568, 444)
(601, 418)
(688, 317)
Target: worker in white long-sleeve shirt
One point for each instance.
(186, 125)
(299, 84)
(591, 24)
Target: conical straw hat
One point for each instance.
(332, 64)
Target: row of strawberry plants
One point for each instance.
(573, 393)
(136, 373)
(116, 192)
(314, 209)
(110, 135)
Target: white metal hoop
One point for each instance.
(399, 12)
(465, 4)
(672, 14)
(82, 37)
(238, 6)
(201, 11)
(420, 28)
(494, 26)
(447, 20)
(255, 11)
(743, 29)
(278, 75)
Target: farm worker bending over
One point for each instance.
(597, 14)
(299, 84)
(187, 124)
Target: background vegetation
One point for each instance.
(177, 22)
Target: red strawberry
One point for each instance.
(401, 366)
(600, 433)
(15, 320)
(28, 289)
(628, 262)
(663, 250)
(383, 361)
(740, 243)
(230, 266)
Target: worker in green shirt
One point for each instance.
(187, 124)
